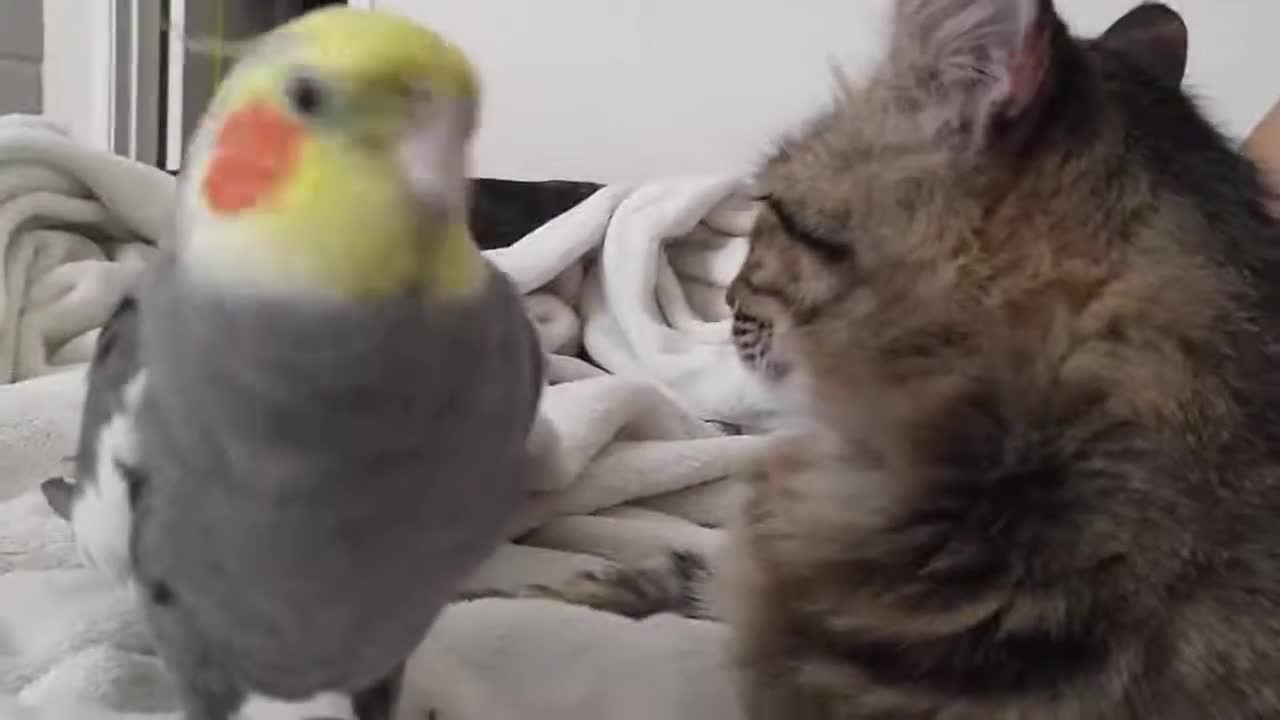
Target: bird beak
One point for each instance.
(435, 155)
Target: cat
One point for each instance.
(1025, 301)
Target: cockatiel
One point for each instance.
(316, 413)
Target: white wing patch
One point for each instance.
(102, 516)
(337, 706)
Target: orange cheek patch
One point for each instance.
(254, 152)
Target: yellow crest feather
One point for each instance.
(364, 43)
(346, 219)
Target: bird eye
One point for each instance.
(308, 96)
(421, 92)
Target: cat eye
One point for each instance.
(829, 250)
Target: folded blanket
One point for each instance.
(626, 290)
(70, 222)
(652, 301)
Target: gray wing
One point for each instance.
(115, 362)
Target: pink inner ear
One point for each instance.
(1029, 68)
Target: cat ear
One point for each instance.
(1154, 36)
(973, 63)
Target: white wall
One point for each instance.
(77, 67)
(627, 90)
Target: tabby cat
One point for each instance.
(1027, 301)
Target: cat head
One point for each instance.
(1001, 203)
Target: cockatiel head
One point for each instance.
(333, 162)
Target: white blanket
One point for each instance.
(70, 222)
(635, 276)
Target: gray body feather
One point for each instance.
(97, 498)
(318, 479)
(115, 362)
